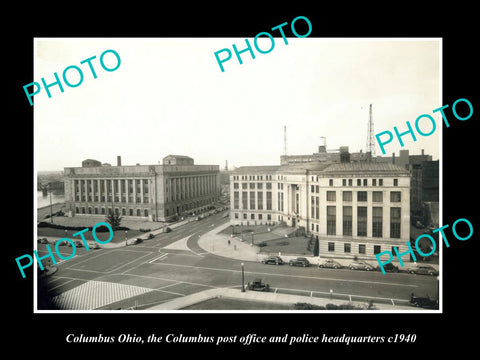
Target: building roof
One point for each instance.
(327, 168)
(178, 157)
(365, 167)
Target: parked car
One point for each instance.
(93, 245)
(277, 260)
(78, 243)
(423, 269)
(43, 241)
(388, 268)
(328, 263)
(360, 265)
(258, 285)
(299, 261)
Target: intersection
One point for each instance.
(174, 265)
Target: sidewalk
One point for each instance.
(218, 244)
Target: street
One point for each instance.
(172, 265)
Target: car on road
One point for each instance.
(423, 269)
(77, 243)
(93, 245)
(258, 285)
(360, 265)
(277, 260)
(388, 268)
(329, 263)
(299, 261)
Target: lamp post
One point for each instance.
(126, 233)
(243, 278)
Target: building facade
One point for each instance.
(153, 192)
(354, 209)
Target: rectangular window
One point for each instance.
(252, 185)
(377, 220)
(362, 221)
(244, 200)
(374, 182)
(244, 216)
(312, 203)
(312, 188)
(252, 200)
(395, 182)
(347, 220)
(362, 196)
(331, 247)
(331, 220)
(359, 182)
(344, 182)
(317, 188)
(260, 200)
(395, 196)
(236, 215)
(252, 216)
(331, 196)
(347, 195)
(377, 196)
(361, 249)
(130, 212)
(317, 212)
(236, 199)
(395, 221)
(350, 181)
(297, 202)
(259, 216)
(380, 182)
(346, 247)
(269, 200)
(330, 182)
(259, 186)
(235, 185)
(377, 249)
(365, 182)
(269, 186)
(244, 186)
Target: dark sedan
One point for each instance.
(299, 261)
(276, 260)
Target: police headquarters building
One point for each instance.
(153, 192)
(352, 208)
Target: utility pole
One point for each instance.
(370, 136)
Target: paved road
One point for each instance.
(173, 265)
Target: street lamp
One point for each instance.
(126, 232)
(243, 278)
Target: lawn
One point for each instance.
(118, 236)
(235, 304)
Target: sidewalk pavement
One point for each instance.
(218, 244)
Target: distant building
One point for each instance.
(354, 209)
(155, 192)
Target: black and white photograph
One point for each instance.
(285, 182)
(206, 177)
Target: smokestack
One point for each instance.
(423, 152)
(393, 158)
(119, 160)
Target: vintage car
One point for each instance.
(360, 265)
(277, 260)
(299, 261)
(423, 302)
(328, 263)
(258, 285)
(423, 269)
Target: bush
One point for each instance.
(307, 306)
(144, 230)
(43, 224)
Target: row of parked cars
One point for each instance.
(422, 269)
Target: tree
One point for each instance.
(316, 248)
(114, 220)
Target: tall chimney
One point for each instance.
(423, 151)
(119, 160)
(393, 158)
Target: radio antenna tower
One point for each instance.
(370, 136)
(285, 140)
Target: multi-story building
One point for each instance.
(360, 208)
(156, 192)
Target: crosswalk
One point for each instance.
(95, 294)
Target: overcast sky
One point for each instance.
(169, 97)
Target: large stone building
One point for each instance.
(353, 208)
(156, 192)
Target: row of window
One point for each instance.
(253, 185)
(253, 216)
(123, 198)
(252, 177)
(347, 248)
(345, 182)
(377, 196)
(104, 211)
(377, 221)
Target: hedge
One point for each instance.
(44, 224)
